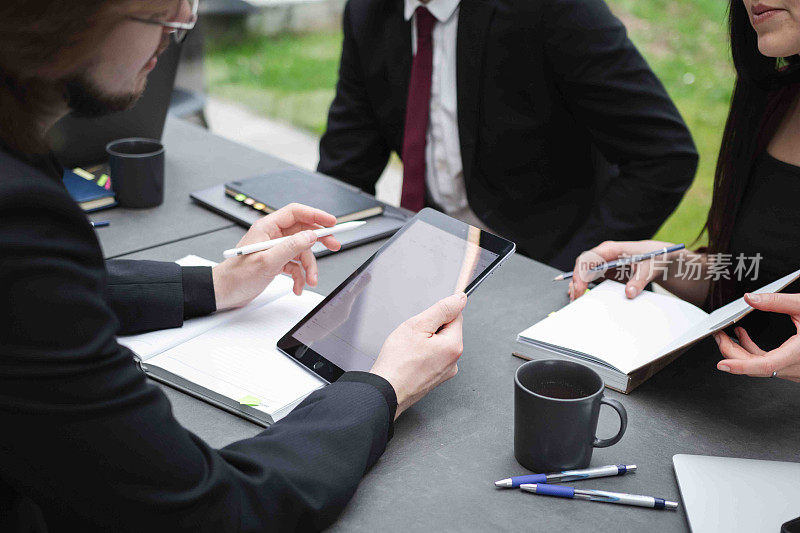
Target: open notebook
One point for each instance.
(230, 359)
(627, 341)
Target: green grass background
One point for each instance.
(292, 78)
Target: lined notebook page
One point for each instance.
(622, 332)
(241, 359)
(147, 345)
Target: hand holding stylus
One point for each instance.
(239, 279)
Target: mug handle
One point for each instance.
(623, 424)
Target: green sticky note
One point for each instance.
(587, 291)
(252, 401)
(102, 181)
(240, 197)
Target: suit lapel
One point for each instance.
(474, 19)
(398, 56)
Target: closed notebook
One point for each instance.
(230, 359)
(88, 194)
(269, 192)
(628, 340)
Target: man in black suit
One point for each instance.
(536, 119)
(87, 443)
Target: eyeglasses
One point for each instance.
(179, 30)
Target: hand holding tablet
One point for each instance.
(431, 258)
(422, 353)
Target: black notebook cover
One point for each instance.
(376, 228)
(279, 189)
(206, 395)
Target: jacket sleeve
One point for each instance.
(95, 446)
(149, 295)
(610, 88)
(352, 148)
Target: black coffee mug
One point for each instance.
(137, 171)
(556, 407)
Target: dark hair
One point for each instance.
(40, 42)
(762, 94)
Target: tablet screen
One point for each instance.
(421, 265)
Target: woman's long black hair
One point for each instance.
(762, 94)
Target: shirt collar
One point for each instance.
(442, 10)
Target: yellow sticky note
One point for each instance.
(586, 292)
(250, 400)
(551, 313)
(83, 173)
(103, 180)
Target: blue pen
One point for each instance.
(100, 223)
(567, 475)
(626, 260)
(563, 491)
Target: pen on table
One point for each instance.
(100, 223)
(626, 260)
(266, 245)
(566, 475)
(563, 491)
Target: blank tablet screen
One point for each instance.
(421, 265)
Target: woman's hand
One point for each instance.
(638, 274)
(423, 351)
(747, 358)
(238, 280)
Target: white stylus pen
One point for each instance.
(266, 245)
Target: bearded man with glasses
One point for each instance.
(88, 444)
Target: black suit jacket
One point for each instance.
(567, 137)
(88, 444)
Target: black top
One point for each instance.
(567, 137)
(768, 223)
(89, 444)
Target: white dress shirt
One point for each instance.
(444, 173)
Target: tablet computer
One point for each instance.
(431, 257)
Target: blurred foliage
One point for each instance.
(292, 78)
(686, 44)
(287, 77)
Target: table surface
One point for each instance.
(438, 470)
(195, 159)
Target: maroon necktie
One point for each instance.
(417, 107)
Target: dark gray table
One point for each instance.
(437, 472)
(195, 159)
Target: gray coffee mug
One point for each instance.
(137, 171)
(556, 407)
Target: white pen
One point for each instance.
(266, 245)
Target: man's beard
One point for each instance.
(87, 100)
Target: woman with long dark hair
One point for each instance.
(754, 221)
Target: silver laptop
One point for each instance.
(728, 494)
